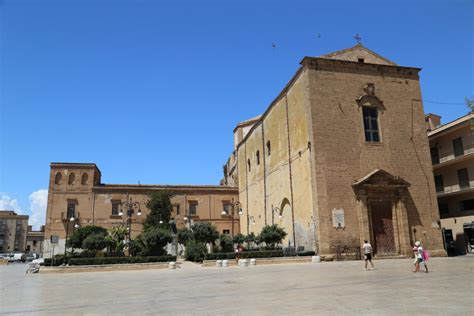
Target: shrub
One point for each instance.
(225, 243)
(119, 260)
(272, 235)
(80, 234)
(94, 242)
(184, 235)
(155, 239)
(239, 239)
(195, 251)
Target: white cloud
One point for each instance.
(38, 203)
(9, 204)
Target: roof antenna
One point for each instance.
(357, 38)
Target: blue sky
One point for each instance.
(151, 90)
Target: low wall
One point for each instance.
(260, 261)
(105, 267)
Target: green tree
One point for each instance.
(159, 204)
(470, 103)
(250, 239)
(155, 239)
(272, 235)
(225, 243)
(195, 251)
(205, 232)
(239, 239)
(116, 238)
(80, 234)
(94, 242)
(184, 235)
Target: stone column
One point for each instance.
(404, 232)
(364, 227)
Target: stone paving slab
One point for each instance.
(327, 288)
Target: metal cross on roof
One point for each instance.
(357, 38)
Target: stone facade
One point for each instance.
(76, 191)
(452, 155)
(34, 241)
(315, 165)
(13, 230)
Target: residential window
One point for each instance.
(115, 208)
(443, 208)
(269, 148)
(226, 231)
(457, 147)
(248, 164)
(463, 178)
(371, 126)
(258, 157)
(176, 207)
(193, 207)
(34, 243)
(434, 155)
(71, 210)
(467, 205)
(439, 184)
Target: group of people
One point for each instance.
(421, 256)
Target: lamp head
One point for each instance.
(72, 219)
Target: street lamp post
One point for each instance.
(232, 213)
(71, 219)
(131, 207)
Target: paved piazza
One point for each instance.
(331, 288)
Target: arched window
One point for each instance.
(248, 163)
(269, 148)
(58, 178)
(85, 179)
(258, 157)
(72, 178)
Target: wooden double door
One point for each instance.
(382, 227)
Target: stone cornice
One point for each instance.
(188, 189)
(344, 66)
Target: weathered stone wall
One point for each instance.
(343, 156)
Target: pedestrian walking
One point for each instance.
(420, 257)
(367, 249)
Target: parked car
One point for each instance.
(17, 257)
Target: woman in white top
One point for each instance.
(418, 252)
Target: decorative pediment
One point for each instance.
(369, 98)
(380, 178)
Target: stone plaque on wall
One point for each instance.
(338, 218)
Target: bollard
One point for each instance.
(225, 263)
(245, 263)
(218, 263)
(316, 259)
(253, 262)
(172, 265)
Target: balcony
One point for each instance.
(455, 190)
(451, 159)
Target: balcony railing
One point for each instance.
(454, 188)
(438, 160)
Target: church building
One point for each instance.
(341, 155)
